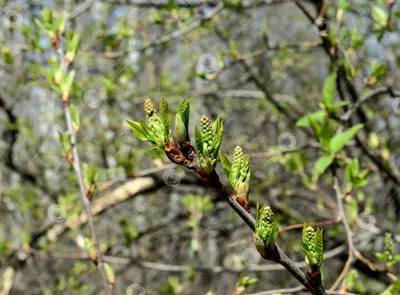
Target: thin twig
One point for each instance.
(82, 189)
(365, 238)
(354, 107)
(320, 223)
(349, 233)
(179, 33)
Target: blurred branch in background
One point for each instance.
(302, 86)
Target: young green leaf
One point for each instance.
(110, 274)
(379, 16)
(184, 112)
(322, 164)
(75, 117)
(319, 246)
(60, 23)
(199, 140)
(65, 140)
(137, 129)
(73, 47)
(352, 170)
(340, 140)
(223, 158)
(316, 128)
(325, 133)
(165, 118)
(305, 120)
(180, 129)
(328, 91)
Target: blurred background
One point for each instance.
(260, 65)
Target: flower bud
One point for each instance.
(180, 129)
(208, 142)
(388, 245)
(266, 229)
(206, 127)
(312, 246)
(149, 107)
(309, 238)
(240, 177)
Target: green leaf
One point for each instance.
(325, 133)
(73, 46)
(165, 118)
(225, 163)
(199, 140)
(76, 122)
(380, 17)
(328, 91)
(316, 128)
(110, 274)
(322, 164)
(305, 120)
(7, 56)
(45, 28)
(274, 234)
(352, 170)
(304, 246)
(381, 257)
(310, 258)
(184, 112)
(396, 259)
(60, 24)
(47, 14)
(340, 140)
(182, 121)
(319, 246)
(180, 129)
(91, 174)
(339, 105)
(65, 140)
(137, 129)
(218, 126)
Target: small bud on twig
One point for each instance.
(266, 230)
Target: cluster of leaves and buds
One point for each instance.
(91, 250)
(53, 24)
(182, 130)
(354, 176)
(157, 129)
(59, 74)
(239, 175)
(90, 177)
(208, 141)
(381, 20)
(244, 283)
(266, 230)
(312, 246)
(65, 140)
(387, 255)
(321, 126)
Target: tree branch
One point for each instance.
(349, 233)
(78, 171)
